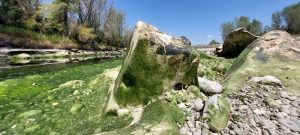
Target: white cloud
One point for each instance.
(210, 36)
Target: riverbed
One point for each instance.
(46, 99)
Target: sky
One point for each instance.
(198, 20)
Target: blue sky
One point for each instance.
(199, 20)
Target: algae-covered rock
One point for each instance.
(276, 53)
(194, 92)
(29, 113)
(32, 128)
(76, 107)
(217, 112)
(236, 42)
(72, 84)
(155, 61)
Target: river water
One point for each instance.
(32, 100)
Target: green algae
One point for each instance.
(248, 66)
(147, 74)
(48, 111)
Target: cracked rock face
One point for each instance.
(154, 63)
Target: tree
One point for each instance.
(227, 28)
(242, 21)
(276, 21)
(291, 15)
(213, 42)
(255, 27)
(115, 27)
(267, 29)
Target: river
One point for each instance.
(44, 99)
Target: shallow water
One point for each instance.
(33, 101)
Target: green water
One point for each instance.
(31, 101)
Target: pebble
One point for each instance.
(265, 132)
(190, 124)
(238, 131)
(198, 104)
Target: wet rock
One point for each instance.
(209, 87)
(266, 80)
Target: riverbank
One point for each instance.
(15, 57)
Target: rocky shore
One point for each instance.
(33, 56)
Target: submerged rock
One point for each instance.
(29, 113)
(216, 112)
(76, 107)
(72, 84)
(236, 42)
(209, 87)
(154, 62)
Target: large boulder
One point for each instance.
(236, 42)
(277, 54)
(155, 62)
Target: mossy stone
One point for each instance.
(218, 114)
(144, 73)
(76, 107)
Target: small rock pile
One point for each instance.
(264, 109)
(202, 110)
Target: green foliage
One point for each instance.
(213, 42)
(78, 20)
(226, 28)
(85, 33)
(30, 34)
(242, 21)
(254, 27)
(292, 17)
(276, 21)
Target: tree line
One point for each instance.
(288, 19)
(86, 21)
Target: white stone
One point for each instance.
(122, 112)
(198, 104)
(209, 86)
(268, 79)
